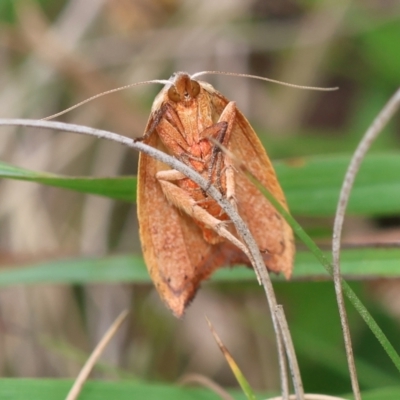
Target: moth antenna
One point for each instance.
(163, 82)
(264, 79)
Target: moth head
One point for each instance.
(183, 88)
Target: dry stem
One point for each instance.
(91, 361)
(355, 163)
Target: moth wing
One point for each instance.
(272, 233)
(176, 255)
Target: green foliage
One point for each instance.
(311, 184)
(54, 389)
(119, 188)
(361, 263)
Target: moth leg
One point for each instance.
(173, 175)
(222, 129)
(230, 182)
(187, 157)
(228, 115)
(158, 115)
(170, 129)
(216, 131)
(170, 175)
(183, 201)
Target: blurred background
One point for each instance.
(55, 54)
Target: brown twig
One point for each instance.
(371, 134)
(290, 352)
(91, 361)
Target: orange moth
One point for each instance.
(179, 223)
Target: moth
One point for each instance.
(180, 225)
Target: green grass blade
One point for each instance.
(361, 263)
(119, 188)
(55, 389)
(79, 271)
(311, 184)
(243, 382)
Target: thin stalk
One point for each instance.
(370, 135)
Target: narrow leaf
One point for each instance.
(244, 384)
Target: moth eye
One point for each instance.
(173, 94)
(195, 88)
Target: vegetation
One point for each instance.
(70, 258)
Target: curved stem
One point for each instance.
(355, 163)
